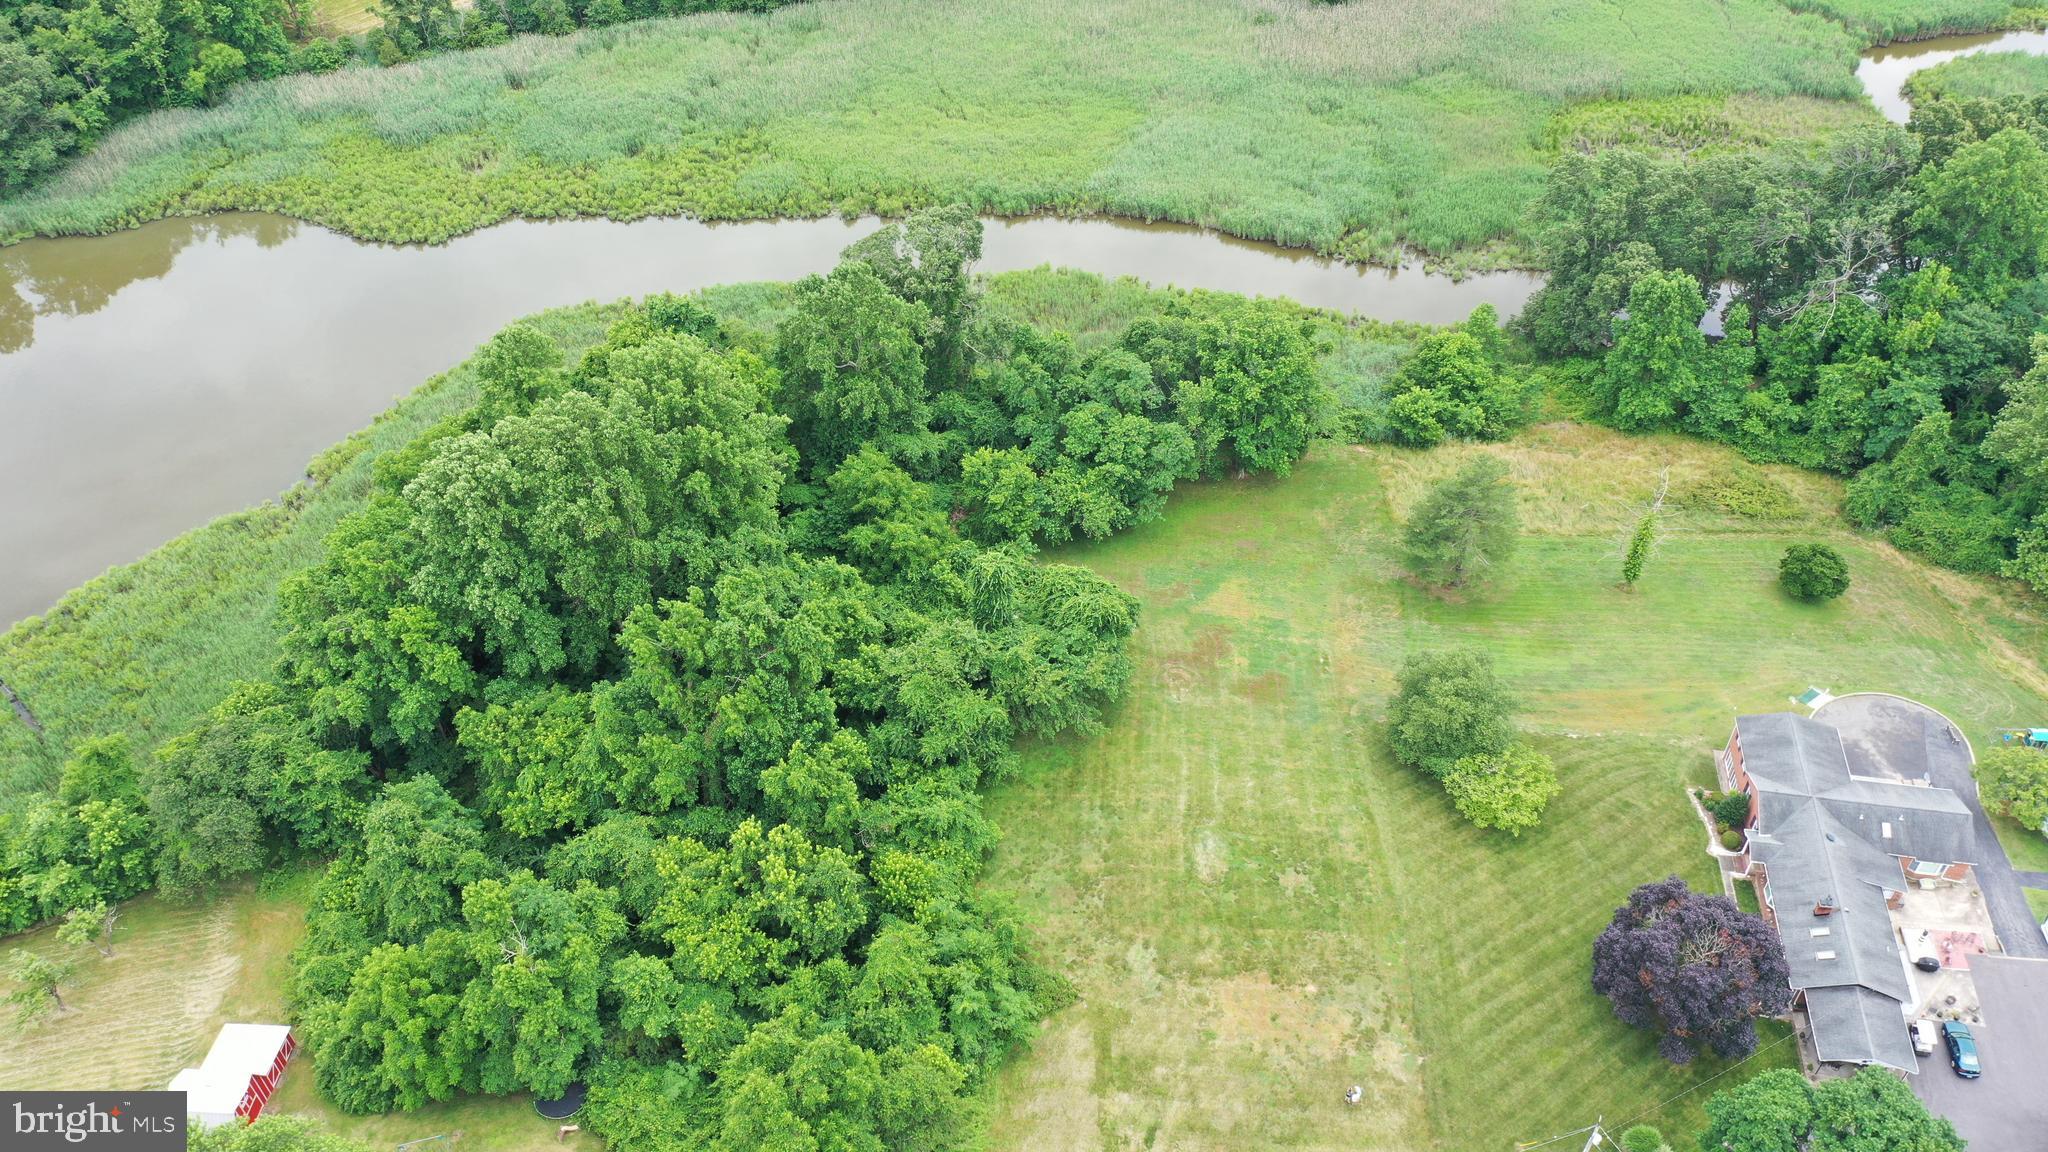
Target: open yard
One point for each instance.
(1258, 910)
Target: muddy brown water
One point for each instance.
(156, 378)
(1884, 71)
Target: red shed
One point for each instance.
(238, 1075)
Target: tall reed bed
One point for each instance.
(1350, 128)
(1888, 20)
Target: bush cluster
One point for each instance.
(1451, 718)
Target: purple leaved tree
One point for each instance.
(1692, 966)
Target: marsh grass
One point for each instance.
(1987, 75)
(1888, 20)
(1347, 128)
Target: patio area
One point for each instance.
(1946, 923)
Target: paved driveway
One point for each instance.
(1889, 737)
(2005, 1108)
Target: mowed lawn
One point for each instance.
(1258, 910)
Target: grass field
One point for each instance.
(2037, 900)
(1258, 910)
(345, 17)
(2025, 847)
(1350, 128)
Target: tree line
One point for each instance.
(1883, 303)
(643, 710)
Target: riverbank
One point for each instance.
(1353, 130)
(145, 648)
(133, 448)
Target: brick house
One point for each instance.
(1831, 853)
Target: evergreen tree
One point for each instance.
(1465, 528)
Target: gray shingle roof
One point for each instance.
(1858, 1026)
(1810, 860)
(1826, 837)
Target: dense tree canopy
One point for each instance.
(1691, 967)
(1883, 295)
(1454, 386)
(2013, 782)
(1782, 1111)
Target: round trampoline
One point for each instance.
(570, 1103)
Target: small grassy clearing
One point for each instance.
(2024, 846)
(341, 18)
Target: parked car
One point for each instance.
(1925, 1037)
(1962, 1049)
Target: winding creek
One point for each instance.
(154, 379)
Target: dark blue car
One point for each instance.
(1962, 1049)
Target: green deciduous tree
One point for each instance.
(1452, 387)
(1781, 1111)
(529, 1014)
(92, 924)
(1813, 572)
(1507, 790)
(1658, 352)
(1984, 212)
(420, 849)
(1643, 1138)
(2014, 782)
(744, 915)
(1255, 399)
(852, 369)
(927, 259)
(540, 772)
(1465, 528)
(1450, 706)
(279, 1132)
(38, 986)
(1640, 542)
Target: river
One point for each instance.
(156, 378)
(159, 377)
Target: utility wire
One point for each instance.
(1709, 1080)
(1624, 1125)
